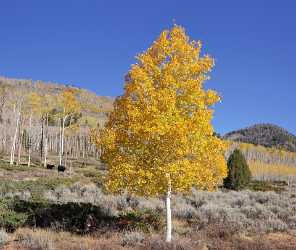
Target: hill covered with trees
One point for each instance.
(31, 122)
(38, 119)
(267, 135)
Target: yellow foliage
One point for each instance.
(160, 131)
(34, 104)
(40, 105)
(271, 171)
(269, 150)
(68, 103)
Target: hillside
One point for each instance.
(267, 135)
(47, 120)
(10, 87)
(42, 208)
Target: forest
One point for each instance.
(38, 119)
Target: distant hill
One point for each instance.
(267, 135)
(103, 103)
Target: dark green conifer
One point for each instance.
(239, 174)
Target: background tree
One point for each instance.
(159, 138)
(39, 136)
(38, 106)
(16, 103)
(68, 106)
(239, 174)
(4, 92)
(47, 105)
(4, 97)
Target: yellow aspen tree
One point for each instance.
(67, 105)
(159, 138)
(34, 108)
(47, 104)
(39, 106)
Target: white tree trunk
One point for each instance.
(29, 141)
(20, 146)
(63, 135)
(62, 131)
(46, 141)
(168, 215)
(41, 140)
(12, 151)
(60, 147)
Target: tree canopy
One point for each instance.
(160, 131)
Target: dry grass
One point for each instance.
(36, 240)
(214, 237)
(49, 240)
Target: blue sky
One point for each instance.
(92, 44)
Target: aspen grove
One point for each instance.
(38, 120)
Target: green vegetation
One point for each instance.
(146, 220)
(6, 166)
(93, 173)
(10, 219)
(73, 216)
(35, 187)
(264, 186)
(239, 174)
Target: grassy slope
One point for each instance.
(219, 217)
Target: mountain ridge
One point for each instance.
(265, 134)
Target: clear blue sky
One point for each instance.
(92, 43)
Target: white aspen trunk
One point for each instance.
(62, 132)
(83, 149)
(168, 214)
(78, 153)
(42, 140)
(4, 149)
(66, 144)
(4, 144)
(29, 135)
(63, 135)
(45, 141)
(20, 146)
(57, 143)
(60, 147)
(14, 139)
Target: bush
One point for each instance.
(9, 219)
(143, 220)
(132, 238)
(75, 217)
(239, 174)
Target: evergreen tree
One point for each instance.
(239, 174)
